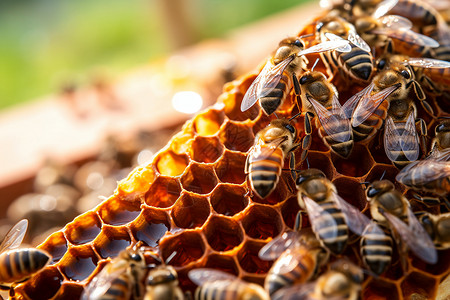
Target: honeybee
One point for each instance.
(320, 98)
(266, 158)
(217, 285)
(342, 281)
(299, 255)
(17, 265)
(120, 279)
(356, 65)
(372, 103)
(390, 209)
(438, 227)
(162, 284)
(275, 81)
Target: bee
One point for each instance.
(320, 97)
(17, 265)
(438, 227)
(329, 214)
(278, 76)
(342, 281)
(391, 210)
(162, 284)
(373, 102)
(120, 279)
(357, 64)
(266, 158)
(217, 285)
(299, 255)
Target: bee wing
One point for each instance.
(325, 46)
(408, 36)
(382, 8)
(287, 261)
(355, 220)
(334, 121)
(334, 37)
(429, 171)
(15, 236)
(201, 275)
(443, 155)
(358, 41)
(414, 236)
(261, 151)
(100, 284)
(316, 213)
(396, 22)
(392, 140)
(278, 245)
(428, 62)
(251, 96)
(296, 292)
(369, 103)
(350, 104)
(410, 140)
(272, 77)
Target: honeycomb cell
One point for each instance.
(55, 245)
(230, 167)
(232, 108)
(262, 222)
(419, 284)
(206, 149)
(289, 211)
(171, 164)
(163, 192)
(317, 143)
(389, 173)
(151, 226)
(236, 137)
(222, 233)
(190, 211)
(117, 212)
(137, 182)
(111, 241)
(222, 262)
(321, 161)
(83, 229)
(229, 200)
(188, 246)
(46, 284)
(351, 191)
(78, 262)
(378, 289)
(199, 179)
(70, 291)
(380, 157)
(208, 123)
(440, 268)
(249, 260)
(357, 164)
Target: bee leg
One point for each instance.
(297, 91)
(422, 131)
(428, 201)
(246, 171)
(306, 142)
(298, 221)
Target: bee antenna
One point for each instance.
(315, 63)
(382, 175)
(307, 162)
(366, 183)
(174, 253)
(444, 117)
(306, 35)
(276, 115)
(155, 257)
(295, 116)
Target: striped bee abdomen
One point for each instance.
(276, 96)
(376, 250)
(341, 148)
(366, 130)
(119, 289)
(18, 265)
(357, 63)
(326, 230)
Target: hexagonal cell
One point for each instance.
(46, 284)
(163, 192)
(229, 200)
(378, 289)
(206, 149)
(222, 262)
(190, 211)
(262, 222)
(151, 226)
(55, 245)
(199, 179)
(223, 234)
(78, 262)
(440, 268)
(116, 212)
(137, 182)
(230, 167)
(351, 191)
(84, 228)
(70, 291)
(376, 173)
(357, 164)
(111, 241)
(420, 285)
(236, 136)
(249, 260)
(289, 211)
(319, 160)
(171, 164)
(232, 109)
(187, 245)
(208, 122)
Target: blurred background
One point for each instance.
(85, 87)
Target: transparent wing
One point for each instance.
(325, 46)
(333, 122)
(350, 104)
(320, 218)
(333, 37)
(251, 96)
(201, 275)
(428, 62)
(101, 283)
(355, 220)
(396, 22)
(392, 140)
(410, 140)
(414, 236)
(278, 245)
(429, 170)
(287, 261)
(369, 103)
(408, 36)
(373, 228)
(261, 150)
(443, 155)
(358, 41)
(295, 292)
(383, 8)
(15, 236)
(271, 78)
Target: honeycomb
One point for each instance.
(192, 199)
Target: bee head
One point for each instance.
(162, 274)
(309, 174)
(379, 187)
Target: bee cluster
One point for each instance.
(326, 176)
